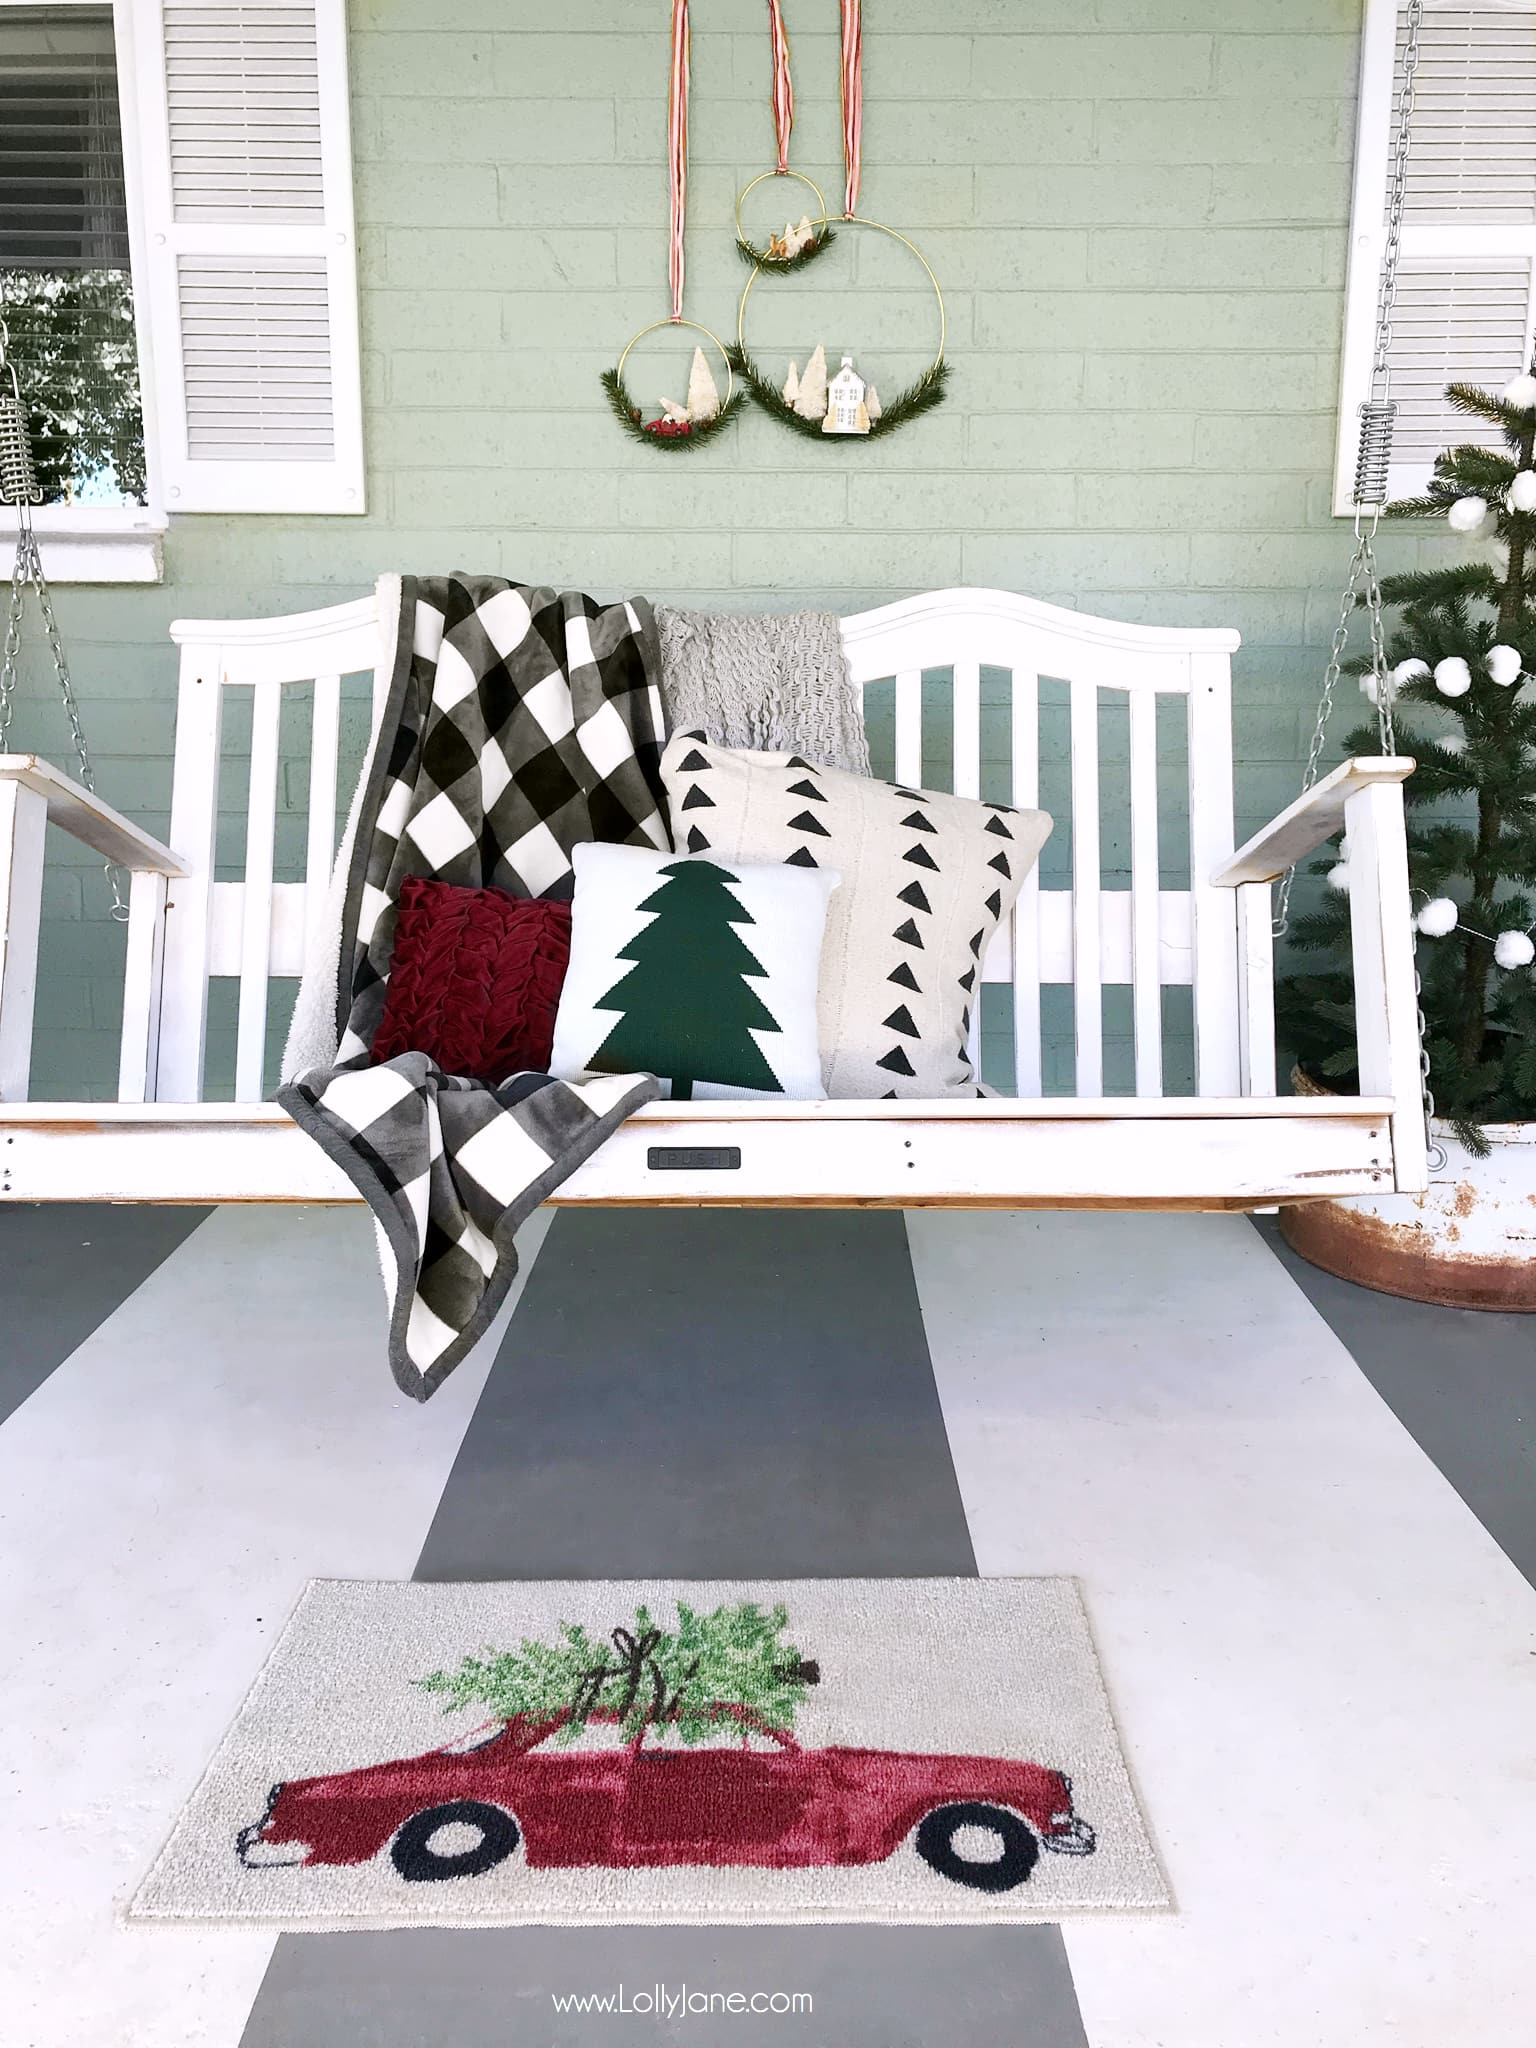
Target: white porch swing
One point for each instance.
(1233, 1144)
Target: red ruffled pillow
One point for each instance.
(474, 979)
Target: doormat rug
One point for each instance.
(589, 1752)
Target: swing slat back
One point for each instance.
(981, 691)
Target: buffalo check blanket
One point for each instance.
(519, 722)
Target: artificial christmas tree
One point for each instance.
(1461, 659)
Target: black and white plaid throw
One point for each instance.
(519, 723)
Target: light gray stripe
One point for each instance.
(64, 1268)
(712, 1393)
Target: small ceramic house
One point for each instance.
(846, 412)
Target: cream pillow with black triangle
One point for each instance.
(699, 970)
(926, 880)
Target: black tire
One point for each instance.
(935, 1844)
(418, 1863)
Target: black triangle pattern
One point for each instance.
(916, 795)
(696, 732)
(808, 822)
(976, 945)
(998, 828)
(795, 761)
(896, 1062)
(903, 977)
(900, 1020)
(919, 823)
(913, 894)
(697, 843)
(968, 979)
(693, 761)
(889, 1095)
(920, 857)
(696, 800)
(965, 1020)
(802, 857)
(1000, 862)
(908, 935)
(995, 903)
(806, 789)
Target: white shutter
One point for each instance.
(1466, 294)
(249, 260)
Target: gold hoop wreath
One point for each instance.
(665, 432)
(782, 252)
(919, 397)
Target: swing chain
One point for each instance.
(18, 486)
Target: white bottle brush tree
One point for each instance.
(1462, 652)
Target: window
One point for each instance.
(1464, 307)
(176, 221)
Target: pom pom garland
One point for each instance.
(1514, 949)
(1521, 395)
(1452, 676)
(1467, 514)
(1522, 492)
(1437, 918)
(1338, 877)
(1503, 665)
(1409, 672)
(1453, 743)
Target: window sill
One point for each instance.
(92, 547)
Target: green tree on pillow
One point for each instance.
(688, 1012)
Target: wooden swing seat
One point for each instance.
(1232, 1144)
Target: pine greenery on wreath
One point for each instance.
(918, 398)
(665, 433)
(643, 1675)
(1463, 650)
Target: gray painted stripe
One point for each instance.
(1461, 1381)
(64, 1268)
(714, 1393)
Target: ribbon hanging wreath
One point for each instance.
(797, 246)
(846, 409)
(704, 413)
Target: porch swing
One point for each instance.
(1234, 1143)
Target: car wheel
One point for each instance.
(482, 1837)
(945, 1843)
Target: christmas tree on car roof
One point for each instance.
(1461, 657)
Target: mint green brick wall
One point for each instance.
(1138, 212)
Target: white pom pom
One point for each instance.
(1453, 743)
(1452, 676)
(1344, 847)
(1504, 665)
(1337, 877)
(1467, 515)
(1368, 689)
(1521, 496)
(1521, 395)
(1437, 918)
(1409, 672)
(1514, 949)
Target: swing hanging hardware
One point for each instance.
(1373, 465)
(21, 490)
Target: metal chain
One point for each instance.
(28, 568)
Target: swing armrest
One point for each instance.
(86, 818)
(1306, 824)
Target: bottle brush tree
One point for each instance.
(1461, 652)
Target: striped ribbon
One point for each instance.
(677, 152)
(783, 90)
(853, 100)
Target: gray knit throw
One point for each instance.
(775, 681)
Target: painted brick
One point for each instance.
(486, 131)
(1251, 441)
(1302, 65)
(1118, 67)
(425, 195)
(1077, 441)
(738, 501)
(1216, 383)
(962, 503)
(1194, 503)
(496, 258)
(1252, 194)
(1255, 131)
(1090, 194)
(1076, 561)
(1189, 323)
(1276, 259)
(896, 66)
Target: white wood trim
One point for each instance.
(1146, 947)
(1314, 817)
(1256, 987)
(965, 725)
(1025, 923)
(909, 727)
(1381, 936)
(85, 817)
(139, 1054)
(1088, 994)
(320, 843)
(995, 627)
(1213, 912)
(23, 829)
(256, 903)
(1030, 1160)
(194, 826)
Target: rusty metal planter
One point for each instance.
(1468, 1242)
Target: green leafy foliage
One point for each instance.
(918, 398)
(1471, 804)
(643, 1675)
(776, 265)
(658, 433)
(73, 347)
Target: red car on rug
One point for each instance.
(757, 1798)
